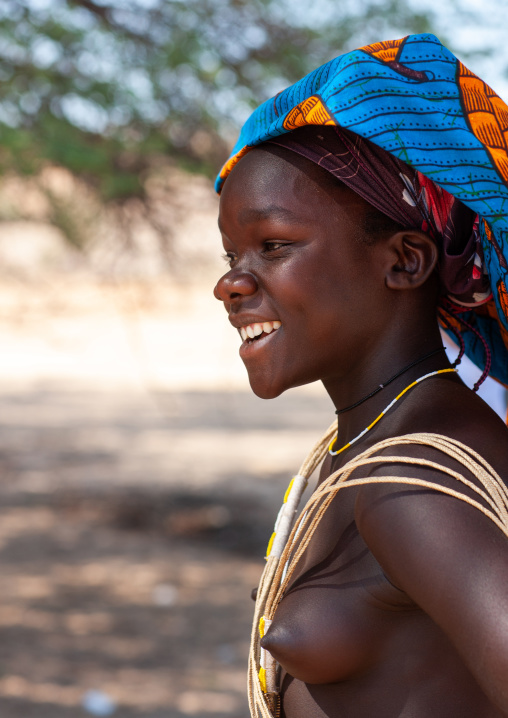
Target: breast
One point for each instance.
(340, 611)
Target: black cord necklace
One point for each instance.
(395, 376)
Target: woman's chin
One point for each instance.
(264, 391)
(267, 386)
(264, 385)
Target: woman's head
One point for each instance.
(308, 253)
(415, 100)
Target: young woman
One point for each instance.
(392, 598)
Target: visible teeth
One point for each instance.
(255, 330)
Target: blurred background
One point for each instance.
(139, 477)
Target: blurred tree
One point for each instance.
(102, 87)
(111, 89)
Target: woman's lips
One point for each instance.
(252, 331)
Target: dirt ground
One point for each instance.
(139, 482)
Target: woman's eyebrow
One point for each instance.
(273, 212)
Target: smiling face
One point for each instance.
(305, 289)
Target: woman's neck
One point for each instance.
(409, 360)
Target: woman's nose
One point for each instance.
(235, 284)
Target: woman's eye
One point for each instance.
(274, 246)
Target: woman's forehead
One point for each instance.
(269, 172)
(262, 165)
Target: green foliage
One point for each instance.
(104, 87)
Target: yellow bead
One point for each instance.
(261, 626)
(286, 495)
(262, 679)
(270, 544)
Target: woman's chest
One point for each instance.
(339, 610)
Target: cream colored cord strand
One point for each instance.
(497, 496)
(257, 701)
(279, 569)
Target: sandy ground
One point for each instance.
(139, 482)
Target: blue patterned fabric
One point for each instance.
(415, 99)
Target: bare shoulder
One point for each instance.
(460, 417)
(442, 524)
(447, 554)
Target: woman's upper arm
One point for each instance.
(453, 562)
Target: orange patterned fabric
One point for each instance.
(487, 116)
(386, 51)
(312, 111)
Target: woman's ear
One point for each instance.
(413, 258)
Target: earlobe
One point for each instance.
(413, 258)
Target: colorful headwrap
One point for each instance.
(444, 128)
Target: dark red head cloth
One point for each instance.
(406, 196)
